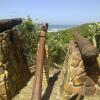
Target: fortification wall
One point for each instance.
(78, 78)
(14, 72)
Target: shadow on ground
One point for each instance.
(49, 89)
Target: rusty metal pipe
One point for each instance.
(37, 86)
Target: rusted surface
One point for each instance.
(37, 86)
(7, 24)
(88, 51)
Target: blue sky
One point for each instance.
(52, 11)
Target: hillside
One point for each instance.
(57, 42)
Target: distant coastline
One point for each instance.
(56, 28)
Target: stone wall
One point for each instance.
(14, 72)
(77, 78)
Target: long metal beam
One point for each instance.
(37, 86)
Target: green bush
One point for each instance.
(57, 46)
(29, 35)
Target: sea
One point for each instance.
(56, 28)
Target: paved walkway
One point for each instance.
(26, 92)
(50, 92)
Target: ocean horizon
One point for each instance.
(56, 28)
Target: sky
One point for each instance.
(68, 12)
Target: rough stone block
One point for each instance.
(99, 81)
(80, 71)
(81, 64)
(75, 63)
(89, 82)
(97, 92)
(3, 97)
(1, 70)
(73, 73)
(79, 80)
(89, 91)
(2, 76)
(68, 87)
(77, 58)
(77, 89)
(2, 88)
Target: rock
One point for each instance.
(79, 80)
(80, 71)
(89, 82)
(2, 88)
(77, 89)
(73, 73)
(75, 63)
(14, 72)
(4, 97)
(1, 70)
(98, 60)
(81, 65)
(75, 57)
(2, 78)
(89, 88)
(89, 91)
(97, 92)
(99, 81)
(68, 87)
